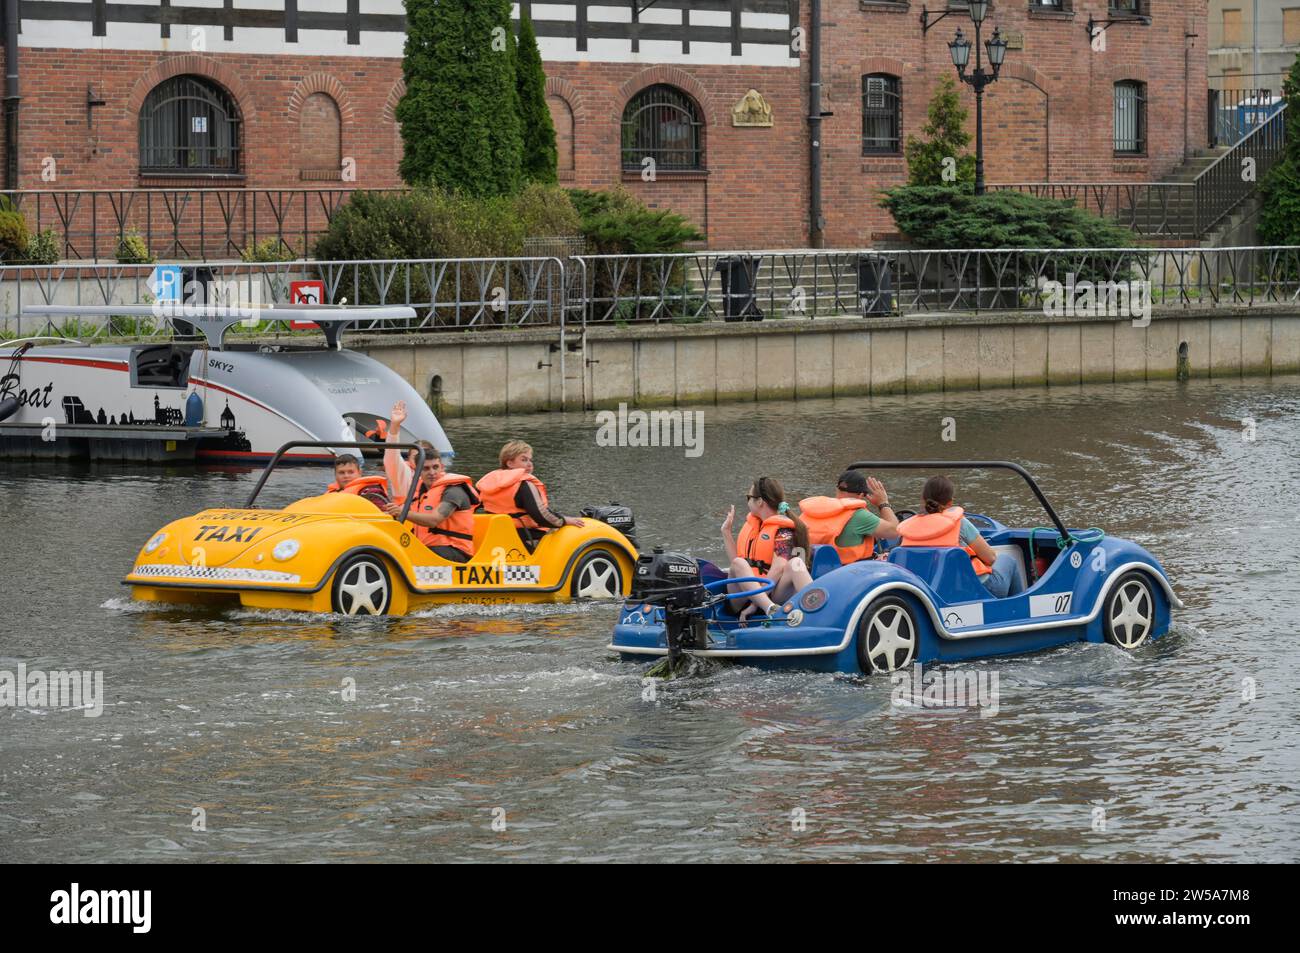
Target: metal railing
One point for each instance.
(628, 290)
(446, 294)
(185, 223)
(1224, 184)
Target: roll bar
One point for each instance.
(332, 445)
(967, 465)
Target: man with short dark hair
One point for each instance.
(843, 521)
(349, 478)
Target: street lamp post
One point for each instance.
(979, 77)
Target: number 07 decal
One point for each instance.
(1050, 603)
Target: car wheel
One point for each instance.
(1130, 612)
(362, 587)
(887, 636)
(597, 576)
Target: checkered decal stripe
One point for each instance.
(216, 574)
(522, 575)
(433, 575)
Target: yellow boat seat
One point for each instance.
(493, 531)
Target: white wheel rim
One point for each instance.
(890, 631)
(1131, 614)
(599, 580)
(363, 590)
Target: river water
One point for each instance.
(510, 733)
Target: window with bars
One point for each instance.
(189, 125)
(1130, 118)
(662, 123)
(882, 115)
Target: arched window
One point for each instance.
(882, 115)
(562, 119)
(319, 139)
(189, 125)
(1130, 117)
(662, 123)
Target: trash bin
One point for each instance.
(738, 279)
(196, 282)
(875, 285)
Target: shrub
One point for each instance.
(539, 155)
(13, 235)
(460, 113)
(546, 211)
(1279, 192)
(945, 138)
(942, 217)
(133, 250)
(614, 222)
(268, 249)
(44, 248)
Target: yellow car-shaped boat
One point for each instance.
(339, 553)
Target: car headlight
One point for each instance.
(155, 542)
(285, 549)
(813, 599)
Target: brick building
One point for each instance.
(276, 94)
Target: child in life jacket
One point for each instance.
(348, 478)
(772, 542)
(514, 490)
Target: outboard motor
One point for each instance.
(673, 581)
(616, 515)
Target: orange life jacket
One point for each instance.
(826, 517)
(757, 541)
(457, 529)
(379, 432)
(359, 484)
(497, 492)
(940, 529)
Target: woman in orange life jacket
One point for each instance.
(771, 543)
(843, 521)
(348, 478)
(443, 510)
(515, 491)
(943, 524)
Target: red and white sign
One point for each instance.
(305, 292)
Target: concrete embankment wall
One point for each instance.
(515, 371)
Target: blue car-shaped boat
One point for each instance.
(918, 604)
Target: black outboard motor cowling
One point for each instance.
(667, 578)
(673, 581)
(616, 515)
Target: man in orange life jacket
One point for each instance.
(942, 524)
(348, 478)
(515, 491)
(442, 513)
(843, 521)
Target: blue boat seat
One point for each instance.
(946, 568)
(824, 559)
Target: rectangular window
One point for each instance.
(881, 115)
(1231, 28)
(1291, 26)
(1130, 8)
(1130, 118)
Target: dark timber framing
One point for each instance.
(581, 28)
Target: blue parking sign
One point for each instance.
(167, 283)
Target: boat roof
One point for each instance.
(215, 320)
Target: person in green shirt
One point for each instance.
(844, 520)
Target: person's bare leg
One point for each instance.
(740, 570)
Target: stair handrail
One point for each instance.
(1272, 128)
